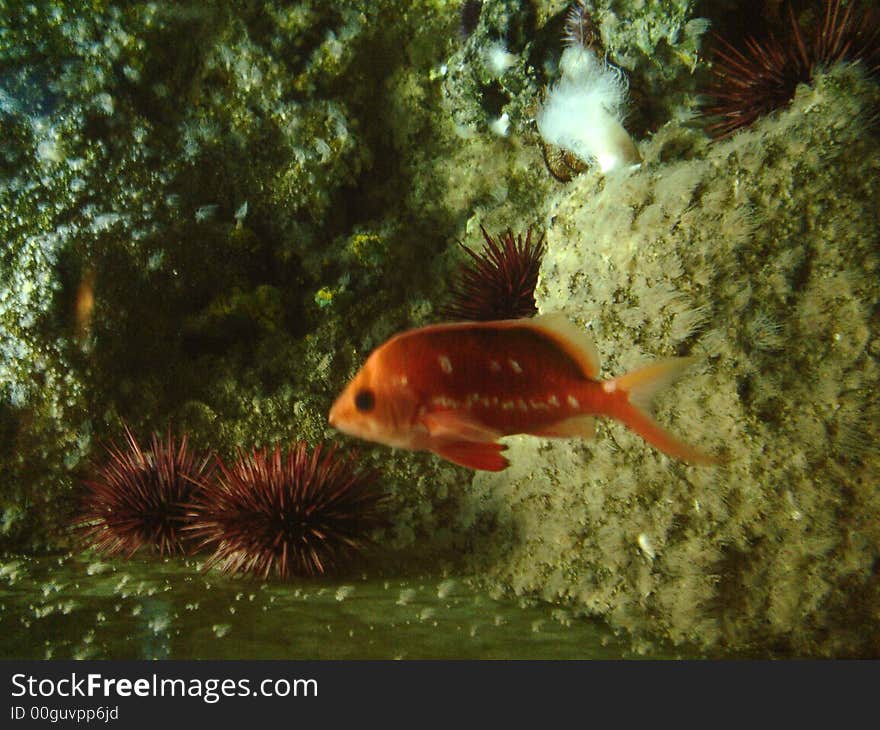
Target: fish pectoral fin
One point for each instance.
(483, 456)
(575, 427)
(456, 426)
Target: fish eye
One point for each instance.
(364, 400)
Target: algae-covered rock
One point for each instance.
(210, 214)
(758, 256)
(491, 80)
(495, 80)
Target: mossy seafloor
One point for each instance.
(79, 607)
(254, 195)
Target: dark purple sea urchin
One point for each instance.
(295, 512)
(500, 282)
(140, 498)
(763, 75)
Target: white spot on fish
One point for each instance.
(495, 366)
(553, 401)
(573, 402)
(538, 405)
(471, 400)
(609, 386)
(445, 364)
(523, 406)
(515, 366)
(507, 405)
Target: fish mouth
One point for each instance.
(336, 415)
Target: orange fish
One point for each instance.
(455, 389)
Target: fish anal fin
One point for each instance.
(450, 425)
(576, 341)
(646, 427)
(575, 427)
(481, 456)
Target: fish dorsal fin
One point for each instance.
(574, 340)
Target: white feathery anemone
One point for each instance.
(501, 125)
(498, 58)
(584, 111)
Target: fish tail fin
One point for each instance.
(640, 387)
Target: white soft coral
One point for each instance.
(583, 112)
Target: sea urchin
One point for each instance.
(500, 282)
(298, 512)
(763, 76)
(140, 498)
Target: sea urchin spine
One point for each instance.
(294, 512)
(140, 498)
(763, 75)
(500, 281)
